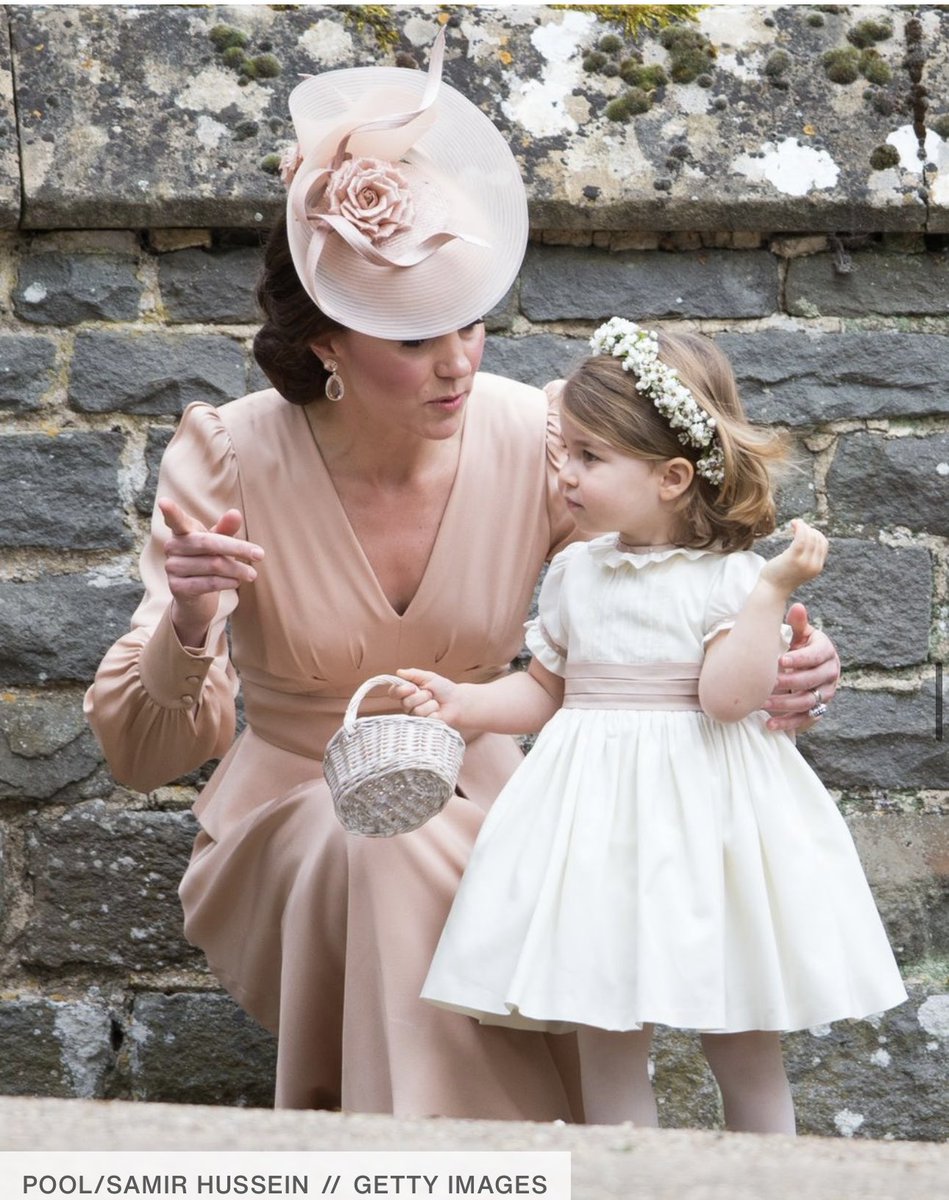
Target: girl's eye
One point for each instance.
(588, 456)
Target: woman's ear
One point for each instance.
(324, 348)
(675, 478)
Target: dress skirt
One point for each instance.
(662, 867)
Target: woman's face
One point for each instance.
(418, 386)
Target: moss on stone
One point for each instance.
(842, 66)
(374, 17)
(609, 43)
(271, 164)
(778, 64)
(941, 126)
(690, 52)
(816, 20)
(884, 156)
(224, 37)
(865, 33)
(266, 66)
(637, 74)
(637, 18)
(633, 101)
(874, 68)
(594, 61)
(234, 56)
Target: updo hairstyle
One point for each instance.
(292, 322)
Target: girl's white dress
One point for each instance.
(647, 863)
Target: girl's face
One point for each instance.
(606, 489)
(417, 387)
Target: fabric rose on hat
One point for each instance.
(290, 163)
(373, 196)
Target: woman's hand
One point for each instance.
(200, 563)
(807, 675)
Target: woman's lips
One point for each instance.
(449, 403)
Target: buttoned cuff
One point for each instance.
(172, 675)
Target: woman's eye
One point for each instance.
(415, 345)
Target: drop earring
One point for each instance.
(334, 389)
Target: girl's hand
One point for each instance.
(810, 668)
(803, 560)
(428, 695)
(200, 563)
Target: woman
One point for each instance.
(386, 504)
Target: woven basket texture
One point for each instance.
(390, 774)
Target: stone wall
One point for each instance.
(134, 185)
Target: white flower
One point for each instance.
(639, 350)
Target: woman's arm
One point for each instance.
(162, 702)
(740, 666)
(522, 702)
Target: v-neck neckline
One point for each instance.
(347, 524)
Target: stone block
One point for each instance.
(875, 602)
(882, 1077)
(934, 77)
(105, 887)
(230, 1059)
(27, 364)
(62, 492)
(794, 493)
(891, 481)
(211, 286)
(802, 378)
(9, 147)
(535, 359)
(55, 1047)
(58, 629)
(570, 284)
(906, 859)
(66, 289)
(45, 745)
(742, 140)
(888, 284)
(153, 374)
(158, 438)
(883, 740)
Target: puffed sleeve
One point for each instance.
(157, 708)
(735, 581)
(547, 634)
(562, 527)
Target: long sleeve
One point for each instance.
(158, 709)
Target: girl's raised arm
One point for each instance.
(741, 663)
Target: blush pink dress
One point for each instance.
(326, 937)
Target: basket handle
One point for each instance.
(349, 720)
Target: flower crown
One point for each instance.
(639, 350)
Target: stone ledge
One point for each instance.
(608, 1163)
(762, 140)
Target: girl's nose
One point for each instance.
(567, 475)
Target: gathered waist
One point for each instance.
(663, 686)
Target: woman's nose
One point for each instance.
(452, 362)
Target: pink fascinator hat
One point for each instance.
(406, 212)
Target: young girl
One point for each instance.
(660, 857)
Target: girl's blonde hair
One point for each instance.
(601, 398)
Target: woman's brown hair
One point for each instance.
(292, 322)
(601, 397)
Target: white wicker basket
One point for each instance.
(392, 773)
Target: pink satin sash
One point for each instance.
(664, 686)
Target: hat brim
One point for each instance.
(476, 170)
